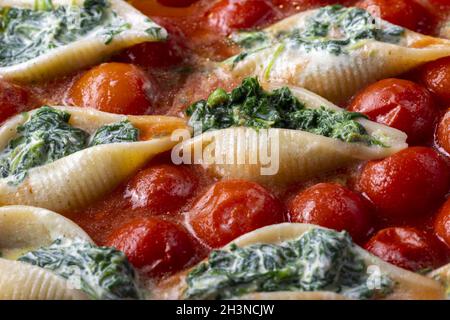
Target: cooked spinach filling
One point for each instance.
(101, 272)
(335, 29)
(320, 260)
(249, 105)
(47, 136)
(28, 33)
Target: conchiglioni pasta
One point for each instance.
(443, 276)
(287, 52)
(84, 176)
(120, 26)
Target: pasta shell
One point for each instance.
(23, 229)
(409, 285)
(443, 276)
(336, 77)
(86, 51)
(85, 176)
(244, 153)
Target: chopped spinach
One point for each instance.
(28, 33)
(249, 105)
(320, 260)
(118, 132)
(101, 272)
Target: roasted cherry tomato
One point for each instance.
(114, 87)
(401, 104)
(436, 77)
(155, 245)
(407, 248)
(443, 132)
(160, 188)
(406, 13)
(333, 206)
(229, 15)
(232, 208)
(406, 184)
(442, 223)
(177, 3)
(13, 100)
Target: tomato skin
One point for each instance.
(400, 104)
(177, 3)
(333, 206)
(443, 132)
(232, 208)
(407, 248)
(442, 223)
(13, 100)
(155, 245)
(435, 76)
(229, 15)
(406, 13)
(406, 184)
(114, 87)
(160, 188)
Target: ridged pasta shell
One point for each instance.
(443, 276)
(83, 177)
(338, 77)
(301, 155)
(409, 285)
(23, 229)
(86, 51)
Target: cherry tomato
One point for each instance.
(333, 206)
(114, 87)
(407, 184)
(229, 15)
(435, 76)
(442, 223)
(443, 132)
(406, 13)
(155, 245)
(13, 100)
(407, 248)
(177, 3)
(232, 208)
(160, 188)
(401, 104)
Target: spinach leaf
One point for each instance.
(248, 105)
(320, 260)
(101, 272)
(118, 132)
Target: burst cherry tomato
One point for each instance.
(229, 15)
(436, 77)
(443, 132)
(13, 100)
(442, 223)
(406, 13)
(407, 248)
(333, 206)
(232, 208)
(161, 188)
(114, 87)
(408, 183)
(154, 245)
(177, 3)
(401, 104)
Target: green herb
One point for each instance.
(320, 260)
(249, 105)
(250, 39)
(118, 132)
(28, 33)
(101, 272)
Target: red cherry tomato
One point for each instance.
(406, 184)
(333, 206)
(229, 15)
(160, 188)
(232, 208)
(406, 13)
(442, 223)
(114, 87)
(13, 100)
(401, 104)
(155, 245)
(177, 3)
(407, 248)
(443, 132)
(436, 77)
